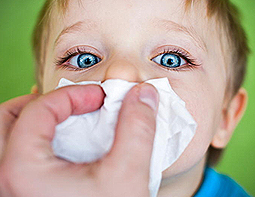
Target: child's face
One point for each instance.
(128, 40)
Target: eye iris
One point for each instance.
(171, 60)
(87, 60)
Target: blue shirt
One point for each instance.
(218, 185)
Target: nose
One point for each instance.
(126, 70)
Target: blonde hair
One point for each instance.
(41, 34)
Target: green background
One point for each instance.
(17, 19)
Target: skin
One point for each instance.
(126, 35)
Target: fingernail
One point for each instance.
(149, 96)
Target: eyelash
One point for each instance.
(61, 62)
(191, 62)
(69, 54)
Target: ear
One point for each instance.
(34, 89)
(230, 118)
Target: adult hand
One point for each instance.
(29, 167)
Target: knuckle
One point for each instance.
(145, 129)
(50, 107)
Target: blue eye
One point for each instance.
(85, 60)
(169, 60)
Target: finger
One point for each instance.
(36, 126)
(9, 112)
(135, 130)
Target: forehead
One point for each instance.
(128, 11)
(129, 18)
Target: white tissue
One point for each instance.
(88, 137)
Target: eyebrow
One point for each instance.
(75, 27)
(189, 31)
(162, 23)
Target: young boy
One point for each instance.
(198, 45)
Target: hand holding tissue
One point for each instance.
(88, 137)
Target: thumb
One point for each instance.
(135, 131)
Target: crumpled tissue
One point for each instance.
(88, 137)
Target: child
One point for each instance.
(198, 45)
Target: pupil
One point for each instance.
(170, 61)
(87, 61)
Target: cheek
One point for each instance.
(206, 111)
(205, 105)
(50, 79)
